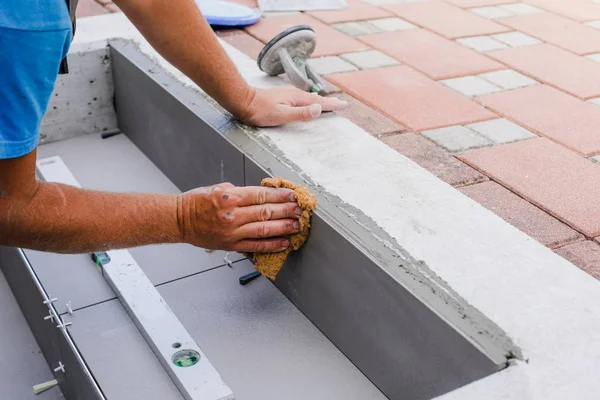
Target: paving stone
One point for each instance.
(357, 28)
(594, 57)
(330, 65)
(551, 113)
(491, 12)
(89, 8)
(471, 86)
(579, 10)
(548, 175)
(330, 42)
(370, 59)
(242, 41)
(521, 214)
(357, 10)
(560, 31)
(386, 2)
(501, 131)
(585, 255)
(516, 39)
(392, 24)
(247, 3)
(367, 118)
(270, 14)
(593, 24)
(556, 67)
(478, 3)
(509, 79)
(595, 101)
(445, 19)
(434, 159)
(520, 9)
(411, 98)
(457, 138)
(482, 44)
(432, 54)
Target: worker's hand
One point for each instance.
(278, 106)
(244, 219)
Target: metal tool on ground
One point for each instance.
(288, 53)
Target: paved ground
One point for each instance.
(498, 98)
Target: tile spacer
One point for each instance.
(50, 301)
(50, 316)
(64, 324)
(69, 308)
(61, 367)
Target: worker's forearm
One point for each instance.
(179, 32)
(64, 219)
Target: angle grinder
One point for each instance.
(287, 52)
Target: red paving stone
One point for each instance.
(445, 19)
(242, 41)
(579, 10)
(562, 32)
(434, 159)
(248, 3)
(368, 119)
(585, 255)
(330, 41)
(357, 10)
(432, 54)
(548, 175)
(551, 113)
(410, 97)
(556, 67)
(89, 8)
(478, 3)
(523, 215)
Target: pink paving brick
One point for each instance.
(478, 3)
(551, 113)
(357, 10)
(548, 175)
(432, 54)
(370, 120)
(248, 3)
(330, 41)
(410, 97)
(242, 41)
(585, 255)
(579, 10)
(523, 215)
(556, 67)
(445, 19)
(563, 32)
(89, 8)
(434, 159)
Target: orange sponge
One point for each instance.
(269, 264)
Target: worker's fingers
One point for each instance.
(266, 212)
(326, 103)
(267, 229)
(261, 246)
(286, 114)
(257, 195)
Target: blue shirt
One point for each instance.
(34, 38)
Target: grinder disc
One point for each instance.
(299, 41)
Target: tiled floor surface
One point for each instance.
(498, 98)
